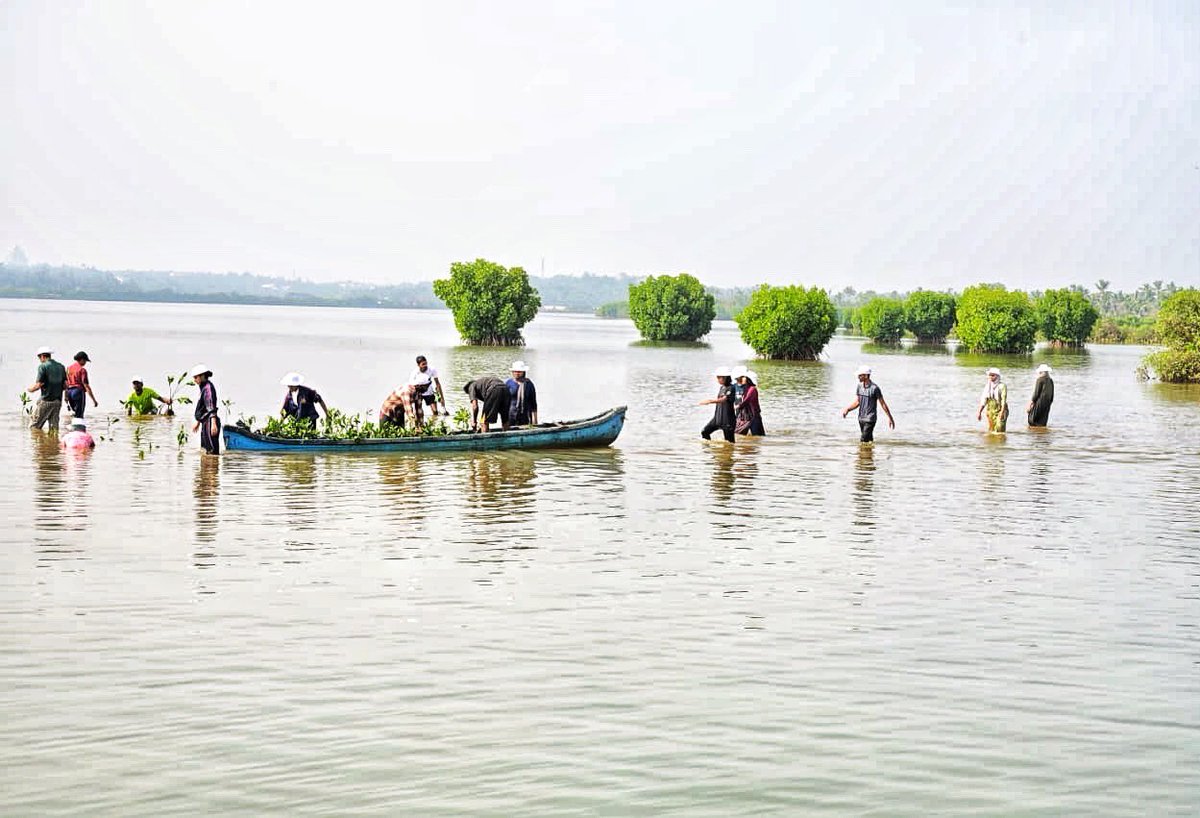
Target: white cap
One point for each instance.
(200, 369)
(752, 375)
(418, 380)
(518, 366)
(993, 371)
(1044, 368)
(292, 379)
(722, 372)
(863, 370)
(138, 379)
(45, 351)
(737, 372)
(78, 423)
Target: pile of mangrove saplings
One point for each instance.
(342, 426)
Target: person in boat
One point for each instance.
(866, 395)
(207, 421)
(1043, 395)
(301, 401)
(79, 389)
(51, 380)
(78, 437)
(490, 399)
(433, 394)
(724, 417)
(522, 397)
(405, 403)
(141, 400)
(994, 400)
(749, 415)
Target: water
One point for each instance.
(794, 625)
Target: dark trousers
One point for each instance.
(712, 426)
(76, 400)
(209, 441)
(867, 428)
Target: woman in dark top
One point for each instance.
(749, 416)
(301, 401)
(1043, 396)
(723, 416)
(207, 422)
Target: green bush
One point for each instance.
(671, 308)
(929, 315)
(1175, 365)
(1124, 330)
(1066, 317)
(883, 320)
(613, 309)
(490, 302)
(993, 319)
(788, 323)
(1178, 321)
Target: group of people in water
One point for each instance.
(738, 411)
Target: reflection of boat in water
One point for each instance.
(600, 430)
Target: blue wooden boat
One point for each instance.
(600, 430)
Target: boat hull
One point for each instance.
(600, 430)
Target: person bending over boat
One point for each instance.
(494, 396)
(522, 397)
(207, 422)
(301, 401)
(405, 403)
(141, 400)
(723, 416)
(1043, 395)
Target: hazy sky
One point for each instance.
(886, 145)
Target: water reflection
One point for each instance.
(206, 488)
(863, 496)
(933, 350)
(61, 498)
(499, 495)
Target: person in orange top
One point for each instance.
(78, 385)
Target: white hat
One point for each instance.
(138, 379)
(863, 370)
(722, 372)
(993, 371)
(737, 372)
(292, 379)
(200, 369)
(518, 366)
(78, 423)
(45, 351)
(752, 375)
(1044, 368)
(418, 380)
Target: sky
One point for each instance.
(880, 146)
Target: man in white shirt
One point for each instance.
(433, 392)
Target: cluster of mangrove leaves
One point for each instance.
(340, 425)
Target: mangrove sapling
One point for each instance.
(339, 425)
(26, 403)
(174, 384)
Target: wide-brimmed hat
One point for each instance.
(722, 372)
(518, 366)
(737, 372)
(752, 375)
(292, 379)
(45, 351)
(1044, 368)
(993, 371)
(863, 370)
(200, 369)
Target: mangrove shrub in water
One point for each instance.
(1178, 326)
(1066, 317)
(788, 323)
(883, 320)
(994, 319)
(929, 315)
(490, 302)
(671, 308)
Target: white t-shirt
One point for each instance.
(430, 373)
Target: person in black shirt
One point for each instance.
(1043, 395)
(301, 401)
(494, 395)
(724, 418)
(866, 396)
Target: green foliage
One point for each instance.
(929, 315)
(883, 320)
(1125, 330)
(1066, 316)
(993, 319)
(490, 302)
(1178, 327)
(462, 417)
(850, 319)
(789, 323)
(613, 309)
(1178, 321)
(341, 426)
(26, 403)
(671, 308)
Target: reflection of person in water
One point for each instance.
(205, 490)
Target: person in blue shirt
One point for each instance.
(301, 401)
(522, 397)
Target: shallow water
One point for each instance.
(944, 622)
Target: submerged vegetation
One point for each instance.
(491, 303)
(992, 318)
(1178, 327)
(882, 320)
(788, 323)
(671, 308)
